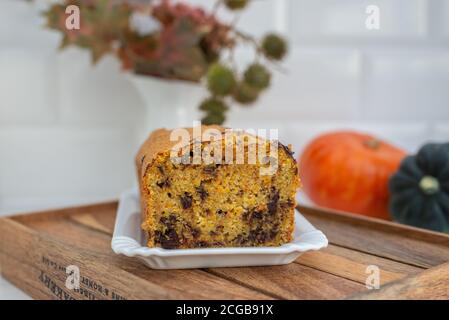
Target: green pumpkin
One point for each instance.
(420, 189)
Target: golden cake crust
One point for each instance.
(191, 206)
(157, 142)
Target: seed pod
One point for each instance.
(236, 4)
(257, 76)
(220, 80)
(245, 94)
(274, 46)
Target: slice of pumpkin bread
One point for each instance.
(188, 203)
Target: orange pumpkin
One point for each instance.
(349, 171)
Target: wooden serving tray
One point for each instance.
(35, 249)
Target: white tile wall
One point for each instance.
(249, 20)
(67, 129)
(405, 135)
(61, 162)
(325, 86)
(347, 18)
(440, 132)
(28, 84)
(440, 8)
(22, 25)
(406, 85)
(99, 95)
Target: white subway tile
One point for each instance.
(440, 132)
(65, 163)
(316, 85)
(22, 24)
(406, 85)
(257, 19)
(347, 18)
(95, 94)
(408, 136)
(28, 92)
(441, 14)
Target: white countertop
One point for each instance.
(10, 292)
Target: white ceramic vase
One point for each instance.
(168, 103)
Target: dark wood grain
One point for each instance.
(29, 244)
(272, 281)
(348, 268)
(126, 277)
(381, 238)
(292, 281)
(432, 284)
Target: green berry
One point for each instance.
(257, 76)
(274, 46)
(245, 93)
(213, 118)
(220, 80)
(213, 105)
(236, 4)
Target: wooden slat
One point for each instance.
(367, 259)
(82, 236)
(292, 281)
(328, 263)
(102, 211)
(344, 267)
(265, 279)
(384, 239)
(127, 277)
(23, 276)
(432, 284)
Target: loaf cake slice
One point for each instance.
(215, 204)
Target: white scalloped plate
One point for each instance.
(128, 240)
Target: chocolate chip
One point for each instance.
(240, 240)
(186, 200)
(201, 244)
(211, 169)
(258, 236)
(164, 184)
(287, 205)
(170, 240)
(218, 244)
(273, 201)
(221, 213)
(195, 233)
(163, 220)
(157, 236)
(161, 170)
(287, 150)
(172, 218)
(257, 215)
(202, 192)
